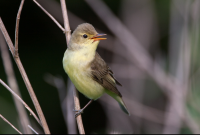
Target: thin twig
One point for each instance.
(17, 28)
(7, 37)
(55, 9)
(8, 67)
(33, 129)
(75, 92)
(25, 78)
(53, 19)
(26, 106)
(66, 21)
(10, 124)
(67, 103)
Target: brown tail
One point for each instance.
(119, 100)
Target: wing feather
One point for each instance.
(102, 74)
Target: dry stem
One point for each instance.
(10, 124)
(8, 67)
(75, 92)
(17, 28)
(53, 19)
(66, 21)
(25, 78)
(26, 106)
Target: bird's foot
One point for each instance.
(78, 112)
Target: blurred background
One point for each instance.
(152, 47)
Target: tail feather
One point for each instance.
(123, 106)
(119, 100)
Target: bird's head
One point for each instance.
(85, 35)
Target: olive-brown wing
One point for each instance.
(102, 74)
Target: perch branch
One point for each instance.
(10, 124)
(75, 92)
(25, 78)
(66, 21)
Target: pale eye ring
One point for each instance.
(85, 36)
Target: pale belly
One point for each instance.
(78, 72)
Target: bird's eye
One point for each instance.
(85, 36)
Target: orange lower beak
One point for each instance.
(98, 35)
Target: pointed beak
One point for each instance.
(96, 38)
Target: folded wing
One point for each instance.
(102, 74)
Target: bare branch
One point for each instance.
(25, 78)
(8, 67)
(66, 21)
(17, 28)
(26, 106)
(7, 37)
(68, 35)
(53, 19)
(10, 124)
(54, 8)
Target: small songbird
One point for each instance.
(87, 70)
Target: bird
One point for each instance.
(87, 70)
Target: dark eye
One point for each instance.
(85, 36)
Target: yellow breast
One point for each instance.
(76, 65)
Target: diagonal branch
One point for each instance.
(12, 82)
(10, 124)
(17, 28)
(25, 78)
(53, 19)
(26, 106)
(75, 92)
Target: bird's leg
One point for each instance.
(81, 110)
